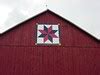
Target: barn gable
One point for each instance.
(25, 33)
(78, 54)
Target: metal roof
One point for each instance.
(83, 13)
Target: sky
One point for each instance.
(83, 13)
(13, 12)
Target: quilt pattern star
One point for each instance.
(47, 34)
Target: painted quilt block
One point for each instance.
(47, 34)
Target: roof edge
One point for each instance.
(55, 14)
(23, 21)
(74, 25)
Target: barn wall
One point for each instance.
(25, 34)
(49, 61)
(78, 54)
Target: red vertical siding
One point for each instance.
(78, 54)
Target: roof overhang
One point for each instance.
(84, 14)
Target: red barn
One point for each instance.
(76, 53)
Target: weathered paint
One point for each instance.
(78, 54)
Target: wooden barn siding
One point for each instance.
(79, 53)
(49, 61)
(25, 34)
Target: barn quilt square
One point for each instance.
(47, 34)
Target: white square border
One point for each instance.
(46, 44)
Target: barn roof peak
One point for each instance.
(84, 15)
